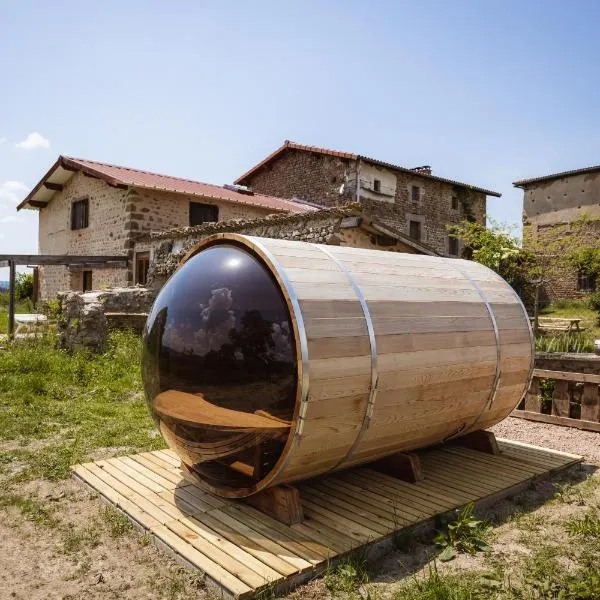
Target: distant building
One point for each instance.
(553, 201)
(88, 208)
(413, 201)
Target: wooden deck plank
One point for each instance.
(244, 551)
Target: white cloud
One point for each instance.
(3, 139)
(10, 219)
(12, 191)
(34, 140)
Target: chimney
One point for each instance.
(425, 169)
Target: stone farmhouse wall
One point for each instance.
(116, 217)
(336, 227)
(331, 181)
(561, 282)
(550, 205)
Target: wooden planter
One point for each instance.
(392, 352)
(572, 398)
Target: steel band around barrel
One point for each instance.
(373, 344)
(297, 315)
(492, 395)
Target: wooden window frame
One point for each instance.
(419, 228)
(453, 245)
(84, 275)
(142, 264)
(80, 220)
(415, 193)
(209, 208)
(585, 283)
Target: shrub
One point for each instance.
(593, 301)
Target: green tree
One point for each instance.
(24, 286)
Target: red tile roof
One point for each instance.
(289, 145)
(116, 175)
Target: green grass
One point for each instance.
(69, 405)
(574, 309)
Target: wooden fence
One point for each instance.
(564, 397)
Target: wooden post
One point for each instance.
(536, 310)
(282, 502)
(590, 403)
(483, 440)
(11, 299)
(560, 398)
(533, 402)
(401, 466)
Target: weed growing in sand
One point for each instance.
(464, 534)
(347, 575)
(117, 524)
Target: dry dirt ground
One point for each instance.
(59, 541)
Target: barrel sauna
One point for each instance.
(268, 361)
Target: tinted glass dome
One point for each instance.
(219, 366)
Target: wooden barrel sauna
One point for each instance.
(268, 361)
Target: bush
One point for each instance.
(24, 286)
(593, 301)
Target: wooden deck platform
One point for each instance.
(243, 551)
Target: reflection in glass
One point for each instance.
(219, 366)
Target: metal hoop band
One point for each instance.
(373, 344)
(492, 395)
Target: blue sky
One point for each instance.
(485, 91)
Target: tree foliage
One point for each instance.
(24, 286)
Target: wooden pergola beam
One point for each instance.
(56, 187)
(60, 259)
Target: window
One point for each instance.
(415, 193)
(142, 263)
(86, 279)
(376, 185)
(80, 214)
(203, 213)
(414, 230)
(454, 203)
(452, 246)
(586, 283)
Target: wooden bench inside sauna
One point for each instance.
(271, 361)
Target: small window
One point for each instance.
(203, 213)
(80, 214)
(452, 246)
(376, 185)
(414, 230)
(586, 283)
(142, 264)
(86, 279)
(454, 203)
(415, 193)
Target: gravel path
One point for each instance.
(557, 437)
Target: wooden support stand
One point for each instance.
(402, 466)
(484, 441)
(281, 502)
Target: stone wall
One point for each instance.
(318, 178)
(105, 234)
(562, 278)
(313, 177)
(86, 317)
(168, 248)
(116, 217)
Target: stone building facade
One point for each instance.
(341, 226)
(562, 206)
(94, 209)
(410, 200)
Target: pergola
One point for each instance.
(33, 260)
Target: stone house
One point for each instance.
(410, 200)
(341, 226)
(551, 204)
(87, 208)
